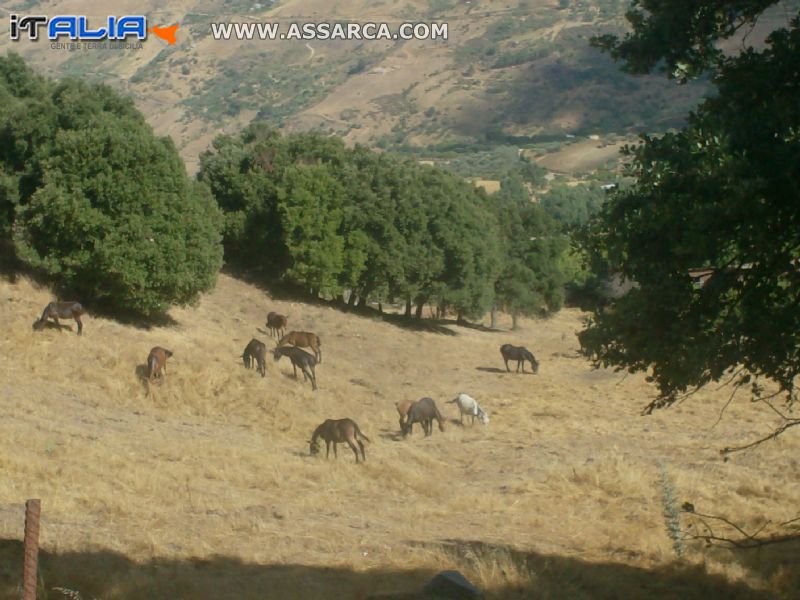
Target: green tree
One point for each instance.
(310, 205)
(722, 194)
(531, 281)
(99, 203)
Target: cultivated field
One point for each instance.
(205, 488)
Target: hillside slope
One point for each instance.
(205, 489)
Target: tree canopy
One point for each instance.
(94, 200)
(722, 194)
(333, 219)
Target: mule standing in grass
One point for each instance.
(519, 354)
(337, 431)
(299, 358)
(402, 409)
(423, 411)
(157, 364)
(277, 324)
(64, 310)
(467, 405)
(256, 352)
(303, 339)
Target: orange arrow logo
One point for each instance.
(166, 33)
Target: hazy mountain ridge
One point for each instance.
(508, 73)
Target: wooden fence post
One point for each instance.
(31, 549)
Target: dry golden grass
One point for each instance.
(204, 489)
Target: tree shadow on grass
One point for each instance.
(520, 574)
(282, 291)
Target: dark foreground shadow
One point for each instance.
(105, 574)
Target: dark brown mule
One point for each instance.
(519, 354)
(301, 359)
(303, 339)
(256, 353)
(63, 310)
(423, 411)
(337, 431)
(157, 363)
(277, 324)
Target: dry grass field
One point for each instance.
(205, 489)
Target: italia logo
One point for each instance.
(78, 28)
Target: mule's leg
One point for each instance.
(313, 379)
(294, 368)
(507, 369)
(361, 445)
(335, 454)
(353, 448)
(80, 325)
(328, 449)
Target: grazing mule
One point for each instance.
(64, 310)
(519, 354)
(402, 409)
(337, 431)
(423, 411)
(277, 324)
(256, 353)
(303, 339)
(157, 363)
(467, 405)
(301, 359)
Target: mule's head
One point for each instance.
(38, 325)
(483, 417)
(168, 352)
(534, 362)
(313, 447)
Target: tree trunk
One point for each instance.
(494, 318)
(408, 309)
(362, 301)
(351, 302)
(380, 307)
(460, 318)
(514, 325)
(420, 306)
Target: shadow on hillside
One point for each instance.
(392, 435)
(60, 327)
(290, 293)
(491, 370)
(550, 576)
(105, 574)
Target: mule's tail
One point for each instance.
(152, 365)
(361, 435)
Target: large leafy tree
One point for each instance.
(96, 201)
(722, 194)
(531, 281)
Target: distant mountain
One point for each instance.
(517, 72)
